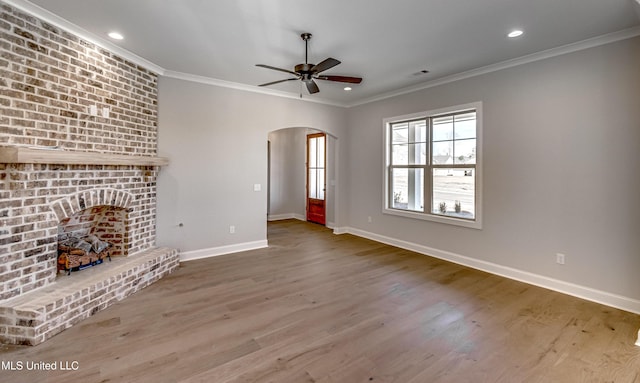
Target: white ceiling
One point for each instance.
(385, 42)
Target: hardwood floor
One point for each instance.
(317, 307)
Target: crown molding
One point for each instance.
(245, 87)
(68, 26)
(542, 55)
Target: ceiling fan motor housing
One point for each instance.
(305, 70)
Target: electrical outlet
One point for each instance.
(232, 229)
(369, 219)
(560, 258)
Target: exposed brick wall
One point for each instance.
(48, 80)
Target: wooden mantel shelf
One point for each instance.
(25, 155)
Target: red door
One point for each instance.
(316, 177)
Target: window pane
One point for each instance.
(418, 154)
(416, 189)
(313, 183)
(442, 153)
(399, 188)
(312, 152)
(418, 131)
(400, 155)
(408, 189)
(400, 133)
(443, 128)
(320, 143)
(320, 184)
(465, 151)
(454, 192)
(465, 126)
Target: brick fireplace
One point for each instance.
(37, 301)
(78, 133)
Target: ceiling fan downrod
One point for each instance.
(306, 37)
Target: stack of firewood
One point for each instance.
(76, 252)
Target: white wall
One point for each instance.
(216, 141)
(561, 168)
(288, 172)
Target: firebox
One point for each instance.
(90, 236)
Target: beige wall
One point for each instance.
(216, 141)
(561, 159)
(287, 179)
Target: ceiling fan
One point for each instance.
(307, 73)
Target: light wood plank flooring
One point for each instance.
(316, 307)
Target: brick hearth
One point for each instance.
(35, 317)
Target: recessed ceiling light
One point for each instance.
(116, 36)
(347, 88)
(515, 33)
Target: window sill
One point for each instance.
(477, 224)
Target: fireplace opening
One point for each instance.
(91, 236)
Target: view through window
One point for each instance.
(432, 165)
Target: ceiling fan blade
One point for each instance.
(351, 80)
(326, 64)
(312, 87)
(278, 69)
(279, 81)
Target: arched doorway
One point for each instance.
(288, 176)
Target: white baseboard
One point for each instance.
(341, 230)
(221, 250)
(280, 217)
(603, 297)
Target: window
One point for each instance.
(433, 167)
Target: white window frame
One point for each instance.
(476, 223)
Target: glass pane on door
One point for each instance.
(316, 171)
(313, 152)
(313, 183)
(320, 184)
